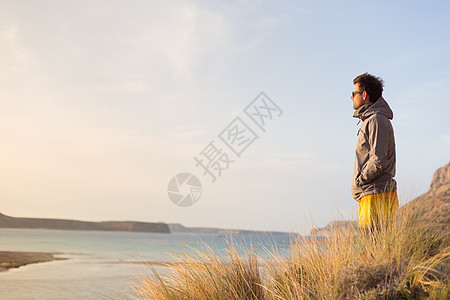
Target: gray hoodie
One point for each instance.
(375, 151)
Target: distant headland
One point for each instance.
(131, 226)
(36, 223)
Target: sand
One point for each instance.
(15, 259)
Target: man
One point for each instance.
(373, 185)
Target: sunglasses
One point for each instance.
(356, 93)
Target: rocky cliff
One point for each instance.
(435, 203)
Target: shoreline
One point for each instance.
(16, 259)
(147, 263)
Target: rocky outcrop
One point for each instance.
(332, 227)
(441, 179)
(11, 222)
(435, 203)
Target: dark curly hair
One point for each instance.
(371, 84)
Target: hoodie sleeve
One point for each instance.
(377, 134)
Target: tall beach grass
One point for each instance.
(407, 258)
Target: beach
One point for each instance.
(16, 259)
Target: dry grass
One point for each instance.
(409, 259)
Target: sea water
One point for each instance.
(98, 264)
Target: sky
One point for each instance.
(102, 103)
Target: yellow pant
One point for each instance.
(377, 208)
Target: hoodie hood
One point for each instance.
(379, 107)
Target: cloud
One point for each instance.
(152, 50)
(183, 134)
(446, 139)
(15, 57)
(132, 47)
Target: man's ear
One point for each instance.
(365, 97)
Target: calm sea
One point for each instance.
(97, 266)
